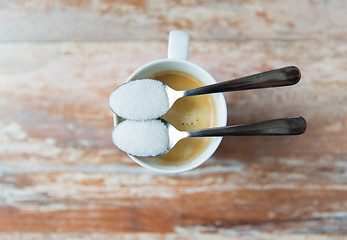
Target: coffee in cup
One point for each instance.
(187, 114)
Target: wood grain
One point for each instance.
(153, 19)
(62, 178)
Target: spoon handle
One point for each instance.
(275, 78)
(283, 126)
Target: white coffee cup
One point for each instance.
(178, 61)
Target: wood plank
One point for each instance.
(158, 236)
(153, 19)
(60, 174)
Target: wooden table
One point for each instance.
(62, 178)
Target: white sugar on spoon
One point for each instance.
(140, 99)
(141, 138)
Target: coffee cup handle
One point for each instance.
(178, 45)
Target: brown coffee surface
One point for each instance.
(189, 113)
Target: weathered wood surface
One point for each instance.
(152, 19)
(61, 177)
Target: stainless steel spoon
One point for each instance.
(275, 78)
(283, 126)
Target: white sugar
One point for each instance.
(140, 100)
(141, 138)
